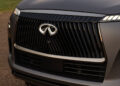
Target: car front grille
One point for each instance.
(77, 36)
(72, 69)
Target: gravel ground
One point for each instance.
(6, 78)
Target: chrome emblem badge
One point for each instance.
(52, 30)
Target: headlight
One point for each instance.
(111, 18)
(17, 12)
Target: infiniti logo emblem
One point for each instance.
(52, 30)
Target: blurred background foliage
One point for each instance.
(8, 5)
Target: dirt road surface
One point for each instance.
(6, 78)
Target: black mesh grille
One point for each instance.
(78, 70)
(76, 36)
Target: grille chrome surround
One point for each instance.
(96, 60)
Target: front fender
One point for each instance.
(111, 38)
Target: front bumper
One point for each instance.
(45, 78)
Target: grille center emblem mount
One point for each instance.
(52, 29)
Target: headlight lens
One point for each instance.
(17, 12)
(111, 18)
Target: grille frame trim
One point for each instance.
(95, 60)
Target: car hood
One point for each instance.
(91, 6)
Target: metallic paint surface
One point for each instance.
(62, 12)
(90, 6)
(111, 37)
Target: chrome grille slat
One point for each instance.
(72, 29)
(79, 40)
(93, 44)
(96, 32)
(81, 36)
(70, 34)
(86, 40)
(67, 34)
(60, 37)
